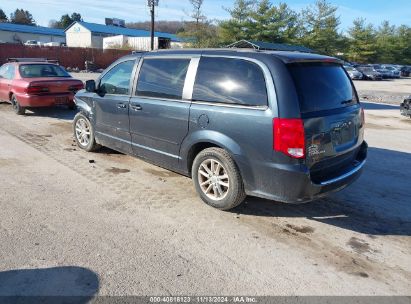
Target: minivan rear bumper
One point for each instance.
(293, 183)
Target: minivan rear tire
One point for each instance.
(233, 188)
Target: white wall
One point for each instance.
(134, 43)
(142, 43)
(14, 37)
(78, 36)
(114, 42)
(97, 41)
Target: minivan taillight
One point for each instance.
(288, 136)
(36, 90)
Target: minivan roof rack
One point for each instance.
(32, 60)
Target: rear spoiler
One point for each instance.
(315, 60)
(298, 57)
(33, 60)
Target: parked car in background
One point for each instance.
(369, 72)
(52, 44)
(284, 126)
(353, 73)
(29, 83)
(32, 43)
(406, 71)
(405, 107)
(386, 74)
(394, 72)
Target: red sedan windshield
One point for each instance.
(42, 70)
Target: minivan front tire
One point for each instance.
(217, 179)
(84, 133)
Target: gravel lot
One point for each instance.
(77, 223)
(392, 91)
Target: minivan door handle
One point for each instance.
(121, 106)
(136, 107)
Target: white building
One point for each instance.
(18, 33)
(139, 43)
(91, 35)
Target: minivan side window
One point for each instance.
(117, 80)
(231, 81)
(162, 78)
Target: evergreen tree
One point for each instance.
(238, 26)
(362, 42)
(386, 45)
(403, 44)
(273, 23)
(320, 28)
(65, 21)
(20, 16)
(3, 16)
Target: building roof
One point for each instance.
(116, 30)
(32, 29)
(268, 46)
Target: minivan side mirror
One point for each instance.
(91, 86)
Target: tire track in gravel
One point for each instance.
(128, 188)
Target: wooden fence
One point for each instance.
(67, 57)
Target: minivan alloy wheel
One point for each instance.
(83, 133)
(213, 179)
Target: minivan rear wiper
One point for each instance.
(346, 101)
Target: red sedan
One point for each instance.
(30, 84)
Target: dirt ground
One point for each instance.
(77, 223)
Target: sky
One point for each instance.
(375, 11)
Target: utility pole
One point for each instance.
(152, 4)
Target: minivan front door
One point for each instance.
(112, 107)
(158, 112)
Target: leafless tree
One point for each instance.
(197, 13)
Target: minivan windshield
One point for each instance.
(322, 86)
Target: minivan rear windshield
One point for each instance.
(322, 86)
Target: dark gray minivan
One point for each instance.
(285, 126)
